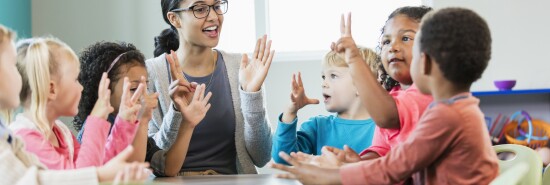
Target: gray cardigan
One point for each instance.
(252, 132)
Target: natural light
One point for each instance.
(306, 25)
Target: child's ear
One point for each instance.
(426, 61)
(52, 95)
(174, 19)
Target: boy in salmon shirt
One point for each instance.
(450, 144)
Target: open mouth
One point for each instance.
(326, 97)
(211, 31)
(395, 60)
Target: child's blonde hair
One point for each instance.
(6, 35)
(42, 63)
(371, 58)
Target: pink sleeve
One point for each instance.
(411, 104)
(121, 136)
(93, 142)
(44, 151)
(379, 144)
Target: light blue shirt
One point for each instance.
(321, 131)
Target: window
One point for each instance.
(238, 32)
(311, 25)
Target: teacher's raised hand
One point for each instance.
(252, 73)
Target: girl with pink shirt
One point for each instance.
(51, 69)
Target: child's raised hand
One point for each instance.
(298, 99)
(149, 102)
(298, 96)
(195, 111)
(186, 90)
(346, 45)
(130, 104)
(253, 73)
(102, 107)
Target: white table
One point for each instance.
(224, 180)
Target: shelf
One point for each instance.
(511, 92)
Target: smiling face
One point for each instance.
(397, 42)
(203, 32)
(339, 93)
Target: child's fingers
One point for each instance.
(127, 174)
(125, 90)
(347, 149)
(313, 101)
(289, 159)
(300, 84)
(283, 167)
(118, 178)
(137, 94)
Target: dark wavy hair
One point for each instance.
(96, 59)
(413, 12)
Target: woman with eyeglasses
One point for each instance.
(235, 134)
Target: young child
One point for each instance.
(351, 125)
(119, 61)
(125, 60)
(450, 144)
(20, 167)
(51, 69)
(396, 113)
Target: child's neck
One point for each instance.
(359, 113)
(447, 90)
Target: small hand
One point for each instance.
(253, 73)
(298, 96)
(130, 104)
(307, 173)
(347, 155)
(108, 172)
(133, 173)
(149, 103)
(102, 107)
(346, 45)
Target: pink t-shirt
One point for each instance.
(411, 104)
(96, 148)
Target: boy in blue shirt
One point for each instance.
(351, 125)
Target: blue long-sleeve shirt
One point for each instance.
(321, 131)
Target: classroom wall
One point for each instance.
(518, 29)
(17, 16)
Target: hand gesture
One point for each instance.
(253, 73)
(298, 96)
(184, 92)
(102, 107)
(307, 173)
(130, 104)
(195, 111)
(149, 102)
(117, 164)
(345, 45)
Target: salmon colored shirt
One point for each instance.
(410, 103)
(450, 145)
(95, 150)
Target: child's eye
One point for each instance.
(333, 76)
(385, 42)
(406, 38)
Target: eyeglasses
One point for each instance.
(202, 10)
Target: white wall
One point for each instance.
(519, 30)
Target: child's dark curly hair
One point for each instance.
(387, 81)
(413, 12)
(96, 59)
(459, 41)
